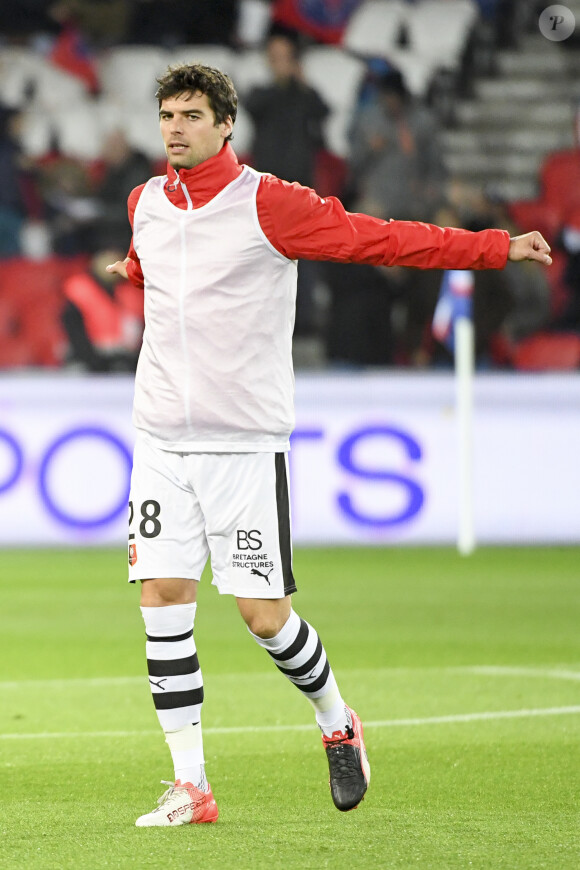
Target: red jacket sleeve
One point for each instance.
(134, 271)
(301, 224)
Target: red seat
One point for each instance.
(32, 302)
(560, 180)
(330, 173)
(548, 352)
(14, 352)
(557, 206)
(559, 292)
(535, 214)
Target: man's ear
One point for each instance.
(226, 127)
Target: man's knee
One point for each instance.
(265, 617)
(165, 591)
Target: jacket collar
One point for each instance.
(203, 181)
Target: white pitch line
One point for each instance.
(510, 671)
(477, 717)
(485, 670)
(72, 682)
(267, 729)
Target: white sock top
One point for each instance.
(168, 621)
(284, 637)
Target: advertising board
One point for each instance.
(373, 459)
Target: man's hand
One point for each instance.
(120, 267)
(531, 246)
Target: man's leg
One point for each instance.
(297, 651)
(245, 501)
(168, 606)
(167, 542)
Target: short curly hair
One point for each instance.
(198, 78)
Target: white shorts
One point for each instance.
(235, 506)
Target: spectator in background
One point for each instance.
(288, 118)
(103, 317)
(99, 23)
(493, 302)
(528, 288)
(72, 50)
(183, 22)
(15, 178)
(359, 329)
(396, 171)
(70, 205)
(557, 211)
(322, 20)
(26, 18)
(123, 169)
(569, 240)
(396, 159)
(83, 215)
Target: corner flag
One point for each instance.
(453, 326)
(455, 301)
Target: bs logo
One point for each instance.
(249, 540)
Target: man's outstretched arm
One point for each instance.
(301, 224)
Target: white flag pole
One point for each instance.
(464, 368)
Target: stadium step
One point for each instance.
(482, 163)
(498, 141)
(528, 88)
(506, 187)
(512, 189)
(517, 116)
(505, 114)
(521, 63)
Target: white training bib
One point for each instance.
(215, 370)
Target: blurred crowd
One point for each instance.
(63, 217)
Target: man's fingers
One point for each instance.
(540, 256)
(540, 244)
(120, 267)
(542, 247)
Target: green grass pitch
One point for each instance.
(465, 671)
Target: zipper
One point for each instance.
(182, 285)
(182, 330)
(187, 196)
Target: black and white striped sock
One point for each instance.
(297, 651)
(177, 686)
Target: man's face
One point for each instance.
(189, 130)
(282, 58)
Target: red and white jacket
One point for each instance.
(215, 249)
